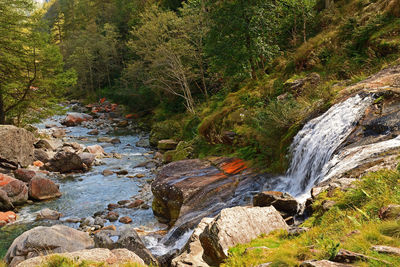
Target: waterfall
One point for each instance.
(314, 146)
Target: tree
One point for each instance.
(29, 64)
(242, 36)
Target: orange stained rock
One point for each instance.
(5, 179)
(102, 100)
(234, 167)
(114, 107)
(38, 163)
(8, 216)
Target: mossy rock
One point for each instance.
(183, 151)
(165, 130)
(168, 144)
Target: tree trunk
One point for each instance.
(2, 110)
(304, 22)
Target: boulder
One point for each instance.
(104, 139)
(48, 214)
(16, 147)
(65, 162)
(43, 188)
(46, 240)
(5, 202)
(143, 142)
(237, 225)
(87, 158)
(24, 175)
(346, 256)
(192, 253)
(96, 150)
(387, 250)
(58, 133)
(200, 187)
(41, 155)
(93, 132)
(116, 257)
(16, 190)
(125, 220)
(126, 237)
(7, 217)
(323, 263)
(282, 202)
(167, 144)
(74, 119)
(390, 212)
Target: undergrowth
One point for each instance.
(353, 223)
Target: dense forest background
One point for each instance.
(227, 77)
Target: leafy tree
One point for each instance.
(242, 36)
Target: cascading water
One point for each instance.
(315, 144)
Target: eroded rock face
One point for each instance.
(16, 190)
(281, 201)
(43, 188)
(47, 240)
(65, 162)
(116, 256)
(189, 187)
(16, 147)
(237, 225)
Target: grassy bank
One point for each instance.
(352, 223)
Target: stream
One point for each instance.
(84, 194)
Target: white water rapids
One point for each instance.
(313, 147)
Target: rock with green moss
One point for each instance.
(167, 144)
(164, 130)
(183, 151)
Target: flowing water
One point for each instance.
(84, 194)
(314, 146)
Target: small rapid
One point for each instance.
(314, 146)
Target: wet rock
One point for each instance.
(16, 190)
(58, 133)
(41, 155)
(193, 186)
(99, 221)
(125, 220)
(237, 225)
(48, 214)
(16, 147)
(96, 150)
(125, 237)
(74, 119)
(140, 175)
(112, 206)
(387, 250)
(167, 144)
(43, 189)
(107, 172)
(73, 220)
(322, 263)
(122, 172)
(5, 202)
(24, 175)
(93, 132)
(134, 204)
(117, 257)
(87, 158)
(46, 240)
(296, 231)
(65, 162)
(88, 221)
(104, 139)
(390, 212)
(192, 253)
(112, 216)
(281, 201)
(123, 202)
(7, 217)
(115, 141)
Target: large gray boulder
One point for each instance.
(47, 240)
(16, 147)
(115, 257)
(192, 253)
(237, 225)
(126, 237)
